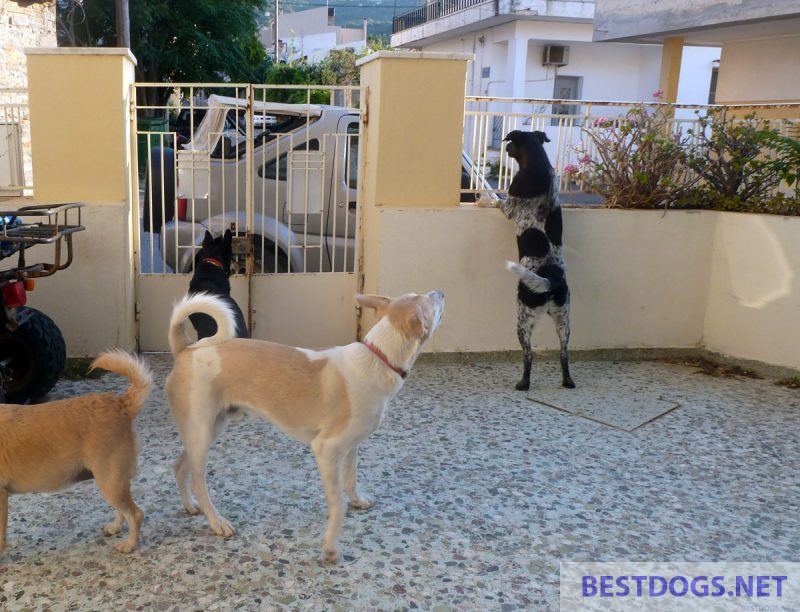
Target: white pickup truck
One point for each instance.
(304, 166)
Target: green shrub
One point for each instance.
(727, 163)
(728, 155)
(637, 160)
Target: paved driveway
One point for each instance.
(480, 493)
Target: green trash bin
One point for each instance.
(150, 124)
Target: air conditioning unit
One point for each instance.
(555, 55)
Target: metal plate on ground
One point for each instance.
(616, 406)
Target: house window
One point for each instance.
(565, 88)
(712, 89)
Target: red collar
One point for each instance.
(213, 262)
(379, 354)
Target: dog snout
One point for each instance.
(436, 295)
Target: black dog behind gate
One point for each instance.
(212, 267)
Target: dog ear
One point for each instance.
(208, 239)
(415, 326)
(372, 301)
(227, 239)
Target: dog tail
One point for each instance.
(534, 282)
(205, 303)
(132, 368)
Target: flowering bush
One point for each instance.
(637, 160)
(640, 160)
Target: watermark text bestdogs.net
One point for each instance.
(761, 586)
(680, 585)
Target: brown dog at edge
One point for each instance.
(47, 447)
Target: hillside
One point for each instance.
(351, 13)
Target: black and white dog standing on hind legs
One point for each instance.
(212, 269)
(532, 204)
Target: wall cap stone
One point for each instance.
(81, 51)
(427, 55)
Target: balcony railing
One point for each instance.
(488, 119)
(430, 11)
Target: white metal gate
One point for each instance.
(275, 164)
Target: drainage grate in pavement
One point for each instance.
(618, 406)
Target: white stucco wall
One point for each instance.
(608, 71)
(766, 70)
(638, 279)
(631, 285)
(754, 288)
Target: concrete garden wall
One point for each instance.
(639, 279)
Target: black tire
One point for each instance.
(161, 165)
(465, 180)
(34, 356)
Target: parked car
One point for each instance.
(304, 166)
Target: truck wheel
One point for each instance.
(264, 262)
(33, 357)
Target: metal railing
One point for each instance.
(488, 119)
(275, 164)
(16, 169)
(432, 10)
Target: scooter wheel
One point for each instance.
(33, 357)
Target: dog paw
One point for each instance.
(361, 504)
(568, 384)
(223, 528)
(111, 529)
(124, 547)
(523, 385)
(330, 557)
(191, 509)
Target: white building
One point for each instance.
(760, 40)
(311, 35)
(544, 49)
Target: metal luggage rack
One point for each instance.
(39, 224)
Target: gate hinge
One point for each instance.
(136, 311)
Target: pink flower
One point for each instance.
(585, 159)
(658, 93)
(570, 169)
(600, 121)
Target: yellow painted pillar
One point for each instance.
(412, 132)
(79, 123)
(671, 54)
(80, 138)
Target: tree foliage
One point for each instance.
(175, 40)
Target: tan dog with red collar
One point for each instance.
(331, 399)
